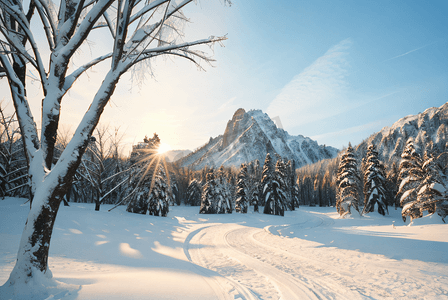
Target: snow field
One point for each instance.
(308, 254)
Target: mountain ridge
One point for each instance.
(429, 130)
(249, 136)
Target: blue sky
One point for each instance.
(336, 71)
(340, 70)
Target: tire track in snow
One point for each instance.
(255, 264)
(224, 287)
(240, 248)
(255, 277)
(288, 264)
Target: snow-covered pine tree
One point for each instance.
(292, 186)
(176, 199)
(194, 191)
(374, 183)
(433, 193)
(282, 168)
(267, 176)
(392, 185)
(348, 183)
(140, 187)
(171, 180)
(140, 202)
(275, 195)
(143, 163)
(208, 197)
(231, 181)
(307, 190)
(242, 202)
(159, 195)
(295, 196)
(204, 173)
(254, 196)
(299, 184)
(318, 190)
(327, 192)
(223, 193)
(411, 175)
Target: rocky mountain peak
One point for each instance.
(251, 135)
(233, 128)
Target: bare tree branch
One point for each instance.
(70, 79)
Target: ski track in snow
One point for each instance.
(254, 263)
(234, 252)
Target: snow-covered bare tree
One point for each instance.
(138, 31)
(348, 183)
(375, 194)
(13, 168)
(100, 166)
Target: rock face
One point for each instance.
(428, 129)
(249, 136)
(234, 128)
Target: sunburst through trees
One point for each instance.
(149, 181)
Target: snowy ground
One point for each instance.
(308, 254)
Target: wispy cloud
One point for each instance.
(356, 132)
(401, 55)
(317, 92)
(227, 104)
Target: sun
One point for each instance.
(163, 148)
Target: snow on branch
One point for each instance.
(185, 46)
(85, 26)
(20, 17)
(151, 6)
(47, 16)
(70, 79)
(23, 111)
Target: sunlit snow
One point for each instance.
(309, 254)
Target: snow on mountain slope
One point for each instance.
(174, 155)
(251, 135)
(428, 129)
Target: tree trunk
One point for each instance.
(32, 257)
